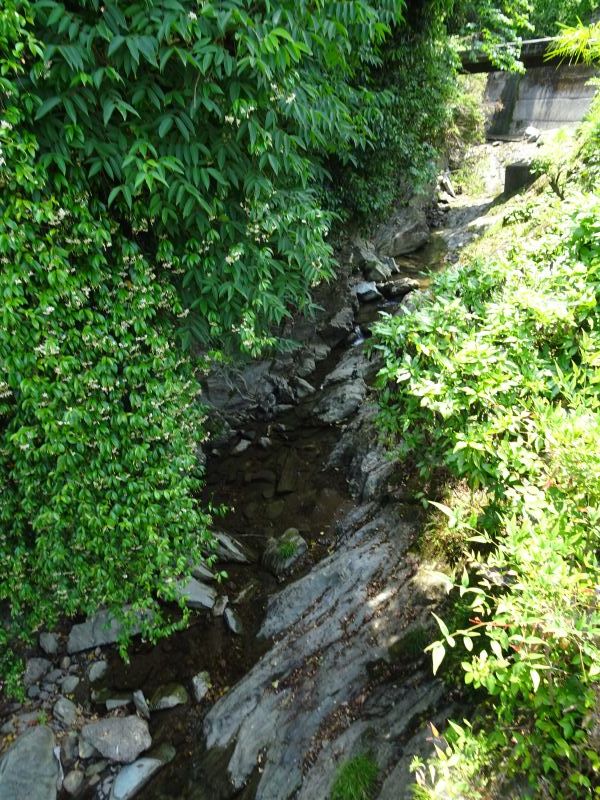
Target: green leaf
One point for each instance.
(437, 656)
(47, 106)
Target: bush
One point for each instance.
(355, 779)
(99, 420)
(495, 377)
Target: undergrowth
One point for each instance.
(495, 377)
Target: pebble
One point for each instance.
(201, 685)
(49, 643)
(97, 671)
(65, 663)
(141, 704)
(35, 670)
(65, 711)
(69, 684)
(73, 780)
(232, 621)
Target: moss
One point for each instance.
(355, 779)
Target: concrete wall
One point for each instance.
(546, 97)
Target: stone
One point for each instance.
(282, 553)
(229, 549)
(265, 442)
(33, 692)
(532, 134)
(29, 768)
(430, 585)
(518, 175)
(241, 447)
(69, 749)
(54, 676)
(132, 778)
(65, 663)
(65, 711)
(341, 401)
(119, 739)
(196, 594)
(49, 643)
(303, 388)
(96, 768)
(220, 606)
(366, 292)
(73, 781)
(201, 685)
(168, 696)
(399, 287)
(35, 669)
(140, 703)
(233, 621)
(69, 684)
(274, 509)
(403, 233)
(97, 670)
(103, 628)
(202, 573)
(86, 750)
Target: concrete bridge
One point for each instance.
(550, 94)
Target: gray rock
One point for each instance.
(288, 479)
(201, 685)
(73, 781)
(233, 621)
(168, 696)
(366, 292)
(303, 388)
(65, 663)
(229, 549)
(69, 749)
(117, 702)
(33, 692)
(134, 777)
(196, 594)
(405, 232)
(49, 643)
(96, 768)
(241, 446)
(118, 738)
(35, 669)
(102, 628)
(282, 553)
(97, 670)
(54, 676)
(65, 711)
(69, 684)
(327, 628)
(202, 573)
(220, 606)
(341, 401)
(399, 287)
(29, 769)
(141, 706)
(86, 750)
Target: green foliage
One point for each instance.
(203, 128)
(547, 15)
(495, 377)
(99, 419)
(355, 779)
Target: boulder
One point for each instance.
(29, 769)
(73, 781)
(405, 232)
(366, 292)
(341, 401)
(65, 711)
(103, 628)
(229, 549)
(233, 621)
(168, 696)
(35, 669)
(49, 643)
(196, 594)
(132, 778)
(201, 685)
(282, 553)
(97, 670)
(119, 739)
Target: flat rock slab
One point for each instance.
(102, 628)
(327, 627)
(118, 738)
(196, 594)
(132, 778)
(29, 769)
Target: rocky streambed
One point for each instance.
(310, 651)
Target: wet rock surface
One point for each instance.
(29, 769)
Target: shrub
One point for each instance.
(494, 377)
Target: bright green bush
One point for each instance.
(99, 419)
(495, 377)
(355, 779)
